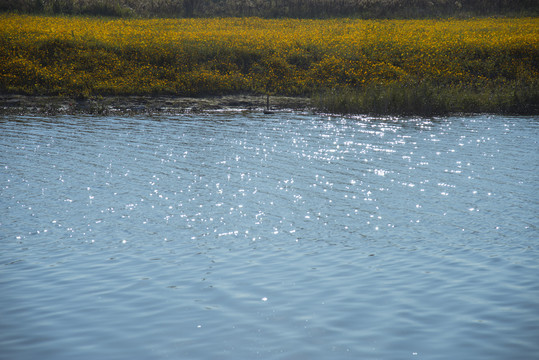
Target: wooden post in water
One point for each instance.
(267, 111)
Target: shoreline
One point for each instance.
(14, 104)
(155, 105)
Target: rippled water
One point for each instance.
(290, 236)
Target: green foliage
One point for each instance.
(276, 8)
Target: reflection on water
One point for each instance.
(282, 237)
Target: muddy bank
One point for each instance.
(127, 105)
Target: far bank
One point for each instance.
(343, 65)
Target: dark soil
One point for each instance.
(126, 105)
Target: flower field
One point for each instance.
(344, 64)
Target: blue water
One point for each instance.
(286, 236)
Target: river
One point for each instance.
(284, 236)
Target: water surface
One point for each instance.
(290, 236)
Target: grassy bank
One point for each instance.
(431, 99)
(383, 66)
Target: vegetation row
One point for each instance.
(275, 8)
(345, 65)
